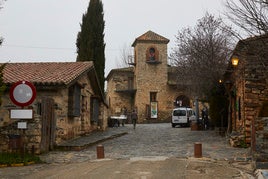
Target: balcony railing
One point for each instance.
(125, 89)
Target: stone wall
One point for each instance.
(256, 91)
(150, 76)
(251, 84)
(261, 127)
(153, 77)
(118, 93)
(66, 127)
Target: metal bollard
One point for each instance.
(198, 150)
(100, 151)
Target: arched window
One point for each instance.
(152, 54)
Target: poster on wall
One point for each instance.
(153, 110)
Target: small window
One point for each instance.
(74, 101)
(152, 54)
(153, 96)
(94, 109)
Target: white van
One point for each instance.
(182, 116)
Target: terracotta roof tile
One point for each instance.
(124, 70)
(45, 73)
(151, 36)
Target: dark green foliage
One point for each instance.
(16, 158)
(2, 84)
(90, 40)
(218, 106)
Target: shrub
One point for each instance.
(15, 158)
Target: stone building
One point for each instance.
(247, 84)
(69, 103)
(148, 85)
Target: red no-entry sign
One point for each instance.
(22, 93)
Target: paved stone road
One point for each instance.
(147, 141)
(155, 140)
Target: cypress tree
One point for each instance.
(2, 84)
(90, 40)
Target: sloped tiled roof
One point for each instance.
(49, 73)
(150, 36)
(124, 70)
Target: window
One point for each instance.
(153, 96)
(151, 54)
(74, 103)
(94, 109)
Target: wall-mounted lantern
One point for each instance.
(235, 61)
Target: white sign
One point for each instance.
(22, 125)
(21, 114)
(154, 110)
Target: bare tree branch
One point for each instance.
(1, 2)
(252, 16)
(125, 57)
(1, 38)
(201, 55)
(249, 15)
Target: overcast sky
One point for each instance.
(46, 30)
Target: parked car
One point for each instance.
(182, 116)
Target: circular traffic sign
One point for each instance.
(22, 93)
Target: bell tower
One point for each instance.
(150, 75)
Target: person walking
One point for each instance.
(134, 118)
(205, 118)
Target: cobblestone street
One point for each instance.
(149, 142)
(154, 140)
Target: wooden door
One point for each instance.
(48, 125)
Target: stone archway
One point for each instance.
(182, 100)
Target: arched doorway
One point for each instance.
(182, 100)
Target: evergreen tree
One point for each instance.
(90, 40)
(2, 84)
